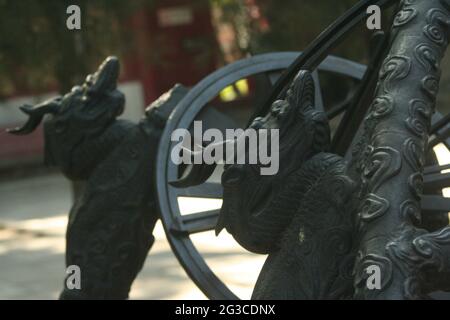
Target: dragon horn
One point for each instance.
(195, 174)
(35, 114)
(106, 76)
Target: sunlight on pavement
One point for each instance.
(190, 205)
(33, 220)
(443, 157)
(32, 246)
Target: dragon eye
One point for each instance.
(279, 108)
(257, 123)
(233, 176)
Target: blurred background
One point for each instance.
(159, 43)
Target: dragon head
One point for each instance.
(75, 119)
(256, 208)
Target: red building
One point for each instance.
(176, 43)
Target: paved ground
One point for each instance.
(33, 215)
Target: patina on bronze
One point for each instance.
(327, 221)
(389, 161)
(323, 220)
(110, 226)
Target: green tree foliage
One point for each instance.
(37, 50)
(293, 24)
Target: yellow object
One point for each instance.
(236, 90)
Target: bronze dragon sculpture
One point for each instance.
(323, 221)
(297, 216)
(110, 226)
